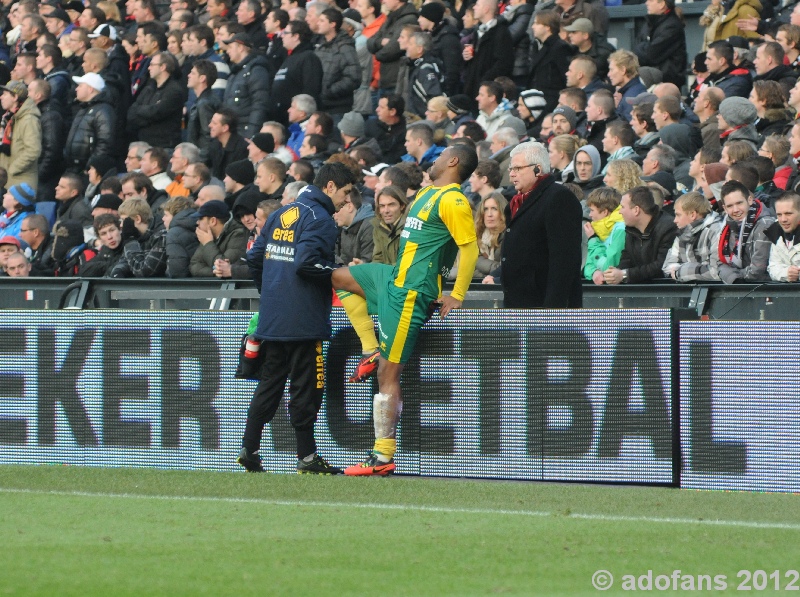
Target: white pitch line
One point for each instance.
(414, 508)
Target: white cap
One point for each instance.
(375, 170)
(93, 80)
(105, 30)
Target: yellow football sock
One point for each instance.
(356, 309)
(385, 449)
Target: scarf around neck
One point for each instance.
(726, 253)
(603, 227)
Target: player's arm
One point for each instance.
(456, 214)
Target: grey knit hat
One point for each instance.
(569, 114)
(737, 111)
(352, 125)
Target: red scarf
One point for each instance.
(726, 252)
(519, 198)
(726, 133)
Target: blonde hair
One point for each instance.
(568, 144)
(175, 205)
(628, 175)
(627, 61)
(438, 104)
(694, 201)
(480, 227)
(135, 206)
(111, 11)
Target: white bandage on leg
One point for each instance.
(386, 411)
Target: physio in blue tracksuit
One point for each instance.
(291, 262)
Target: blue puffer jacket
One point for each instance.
(291, 262)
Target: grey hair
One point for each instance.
(305, 103)
(666, 156)
(189, 151)
(535, 153)
(318, 6)
(423, 40)
(278, 128)
(507, 136)
(293, 188)
(140, 147)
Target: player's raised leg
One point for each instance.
(352, 296)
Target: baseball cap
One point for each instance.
(10, 240)
(105, 30)
(93, 80)
(214, 209)
(240, 38)
(17, 88)
(584, 25)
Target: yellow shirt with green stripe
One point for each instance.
(439, 220)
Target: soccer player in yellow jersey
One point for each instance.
(439, 226)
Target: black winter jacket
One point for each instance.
(644, 253)
(549, 65)
(494, 57)
(54, 134)
(447, 48)
(102, 264)
(664, 47)
(219, 158)
(390, 55)
(247, 93)
(518, 20)
(197, 122)
(156, 114)
(541, 259)
(300, 73)
(341, 73)
(92, 133)
(181, 243)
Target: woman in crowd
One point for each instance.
(769, 99)
(623, 175)
(490, 225)
(562, 151)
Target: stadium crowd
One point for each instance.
(145, 140)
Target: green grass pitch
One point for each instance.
(114, 532)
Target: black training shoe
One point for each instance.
(252, 462)
(317, 466)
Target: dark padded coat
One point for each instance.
(181, 243)
(664, 47)
(156, 114)
(341, 73)
(644, 253)
(541, 260)
(300, 73)
(247, 93)
(447, 48)
(390, 55)
(549, 65)
(494, 57)
(92, 133)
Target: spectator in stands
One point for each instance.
(389, 130)
(49, 63)
(562, 152)
(724, 74)
(198, 44)
(51, 159)
(220, 237)
(706, 107)
(549, 57)
(69, 194)
(784, 257)
(691, 257)
(133, 158)
(769, 66)
(138, 186)
(576, 99)
(736, 151)
(270, 178)
(106, 227)
(200, 80)
(291, 191)
(661, 158)
(583, 74)
(145, 254)
(664, 42)
(352, 130)
(645, 129)
(155, 115)
(302, 171)
(259, 147)
(154, 165)
(355, 221)
(580, 33)
(8, 246)
(384, 44)
(341, 71)
(93, 129)
(17, 265)
(425, 73)
(107, 203)
(492, 55)
(238, 180)
(605, 234)
(744, 248)
(587, 165)
(735, 121)
(766, 191)
(542, 243)
(274, 24)
(18, 202)
(447, 47)
(150, 40)
(623, 73)
(77, 43)
(314, 150)
(599, 112)
(678, 137)
(249, 15)
(209, 193)
(618, 142)
(180, 221)
(299, 75)
(70, 251)
(227, 145)
(623, 175)
(493, 111)
(769, 99)
(490, 227)
(184, 154)
(419, 145)
(649, 234)
(776, 148)
(35, 231)
(247, 90)
(503, 141)
(565, 121)
(21, 144)
(389, 223)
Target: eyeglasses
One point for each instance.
(27, 229)
(518, 169)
